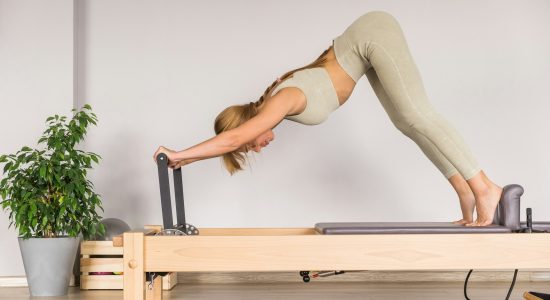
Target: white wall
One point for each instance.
(36, 81)
(157, 73)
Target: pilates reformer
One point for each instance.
(342, 247)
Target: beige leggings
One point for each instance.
(374, 45)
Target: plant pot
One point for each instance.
(48, 264)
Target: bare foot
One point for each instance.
(486, 206)
(467, 206)
(462, 221)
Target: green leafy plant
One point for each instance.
(46, 190)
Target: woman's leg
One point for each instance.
(386, 50)
(466, 198)
(465, 194)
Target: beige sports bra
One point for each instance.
(321, 97)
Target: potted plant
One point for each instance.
(50, 201)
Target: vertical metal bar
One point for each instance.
(178, 194)
(164, 184)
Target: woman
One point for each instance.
(373, 45)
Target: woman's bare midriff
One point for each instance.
(342, 82)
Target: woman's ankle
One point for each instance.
(480, 185)
(466, 195)
(488, 181)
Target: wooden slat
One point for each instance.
(115, 282)
(118, 240)
(155, 228)
(101, 282)
(255, 231)
(347, 252)
(84, 256)
(98, 248)
(101, 264)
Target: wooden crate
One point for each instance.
(102, 256)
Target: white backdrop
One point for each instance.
(36, 81)
(158, 73)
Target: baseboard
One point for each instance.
(13, 281)
(21, 281)
(361, 276)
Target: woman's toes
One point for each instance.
(474, 223)
(461, 222)
(479, 223)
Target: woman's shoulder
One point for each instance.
(281, 85)
(290, 95)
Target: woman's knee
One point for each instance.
(401, 126)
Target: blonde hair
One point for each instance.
(235, 115)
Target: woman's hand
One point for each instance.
(173, 162)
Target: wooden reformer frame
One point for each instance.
(297, 249)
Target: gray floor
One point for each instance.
(316, 290)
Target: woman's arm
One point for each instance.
(272, 113)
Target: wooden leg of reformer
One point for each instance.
(154, 291)
(134, 276)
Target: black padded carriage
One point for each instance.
(507, 220)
